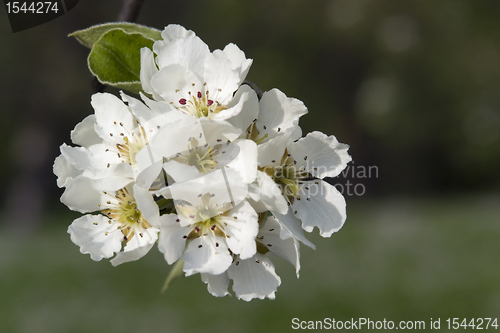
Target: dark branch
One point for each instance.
(255, 88)
(130, 10)
(97, 86)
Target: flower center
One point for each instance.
(123, 210)
(208, 217)
(206, 226)
(253, 133)
(287, 176)
(132, 146)
(200, 105)
(201, 157)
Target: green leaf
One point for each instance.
(115, 59)
(88, 37)
(175, 272)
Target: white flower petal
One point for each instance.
(322, 155)
(79, 157)
(81, 196)
(172, 240)
(158, 107)
(118, 176)
(248, 111)
(94, 235)
(278, 113)
(110, 183)
(266, 195)
(101, 155)
(189, 195)
(131, 255)
(236, 162)
(147, 206)
(222, 80)
(180, 172)
(241, 229)
(138, 109)
(238, 60)
(207, 254)
(177, 133)
(188, 52)
(218, 131)
(173, 83)
(216, 284)
(148, 175)
(141, 239)
(64, 171)
(292, 227)
(106, 169)
(254, 278)
(254, 198)
(271, 152)
(113, 117)
(248, 151)
(287, 249)
(326, 208)
(84, 134)
(148, 70)
(173, 32)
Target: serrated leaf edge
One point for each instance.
(86, 43)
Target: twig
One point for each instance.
(255, 88)
(130, 10)
(97, 86)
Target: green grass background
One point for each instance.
(427, 116)
(395, 258)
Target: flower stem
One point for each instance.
(252, 85)
(130, 10)
(175, 272)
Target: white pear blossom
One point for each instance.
(278, 116)
(290, 171)
(182, 73)
(213, 232)
(110, 140)
(123, 136)
(217, 177)
(192, 148)
(255, 277)
(298, 171)
(68, 165)
(64, 170)
(188, 141)
(128, 223)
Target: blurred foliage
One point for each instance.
(397, 259)
(412, 87)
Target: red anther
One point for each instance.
(210, 102)
(199, 94)
(182, 101)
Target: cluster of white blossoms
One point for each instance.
(215, 175)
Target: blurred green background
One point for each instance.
(412, 86)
